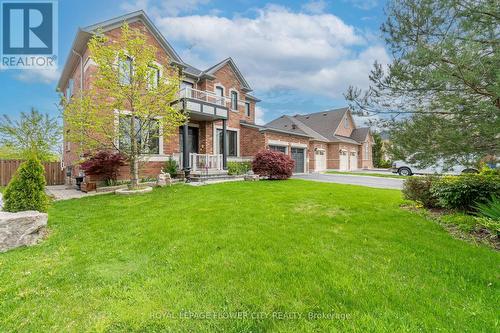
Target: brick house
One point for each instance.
(221, 124)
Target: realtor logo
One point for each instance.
(29, 34)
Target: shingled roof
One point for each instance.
(320, 126)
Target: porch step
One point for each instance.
(202, 178)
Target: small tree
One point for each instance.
(129, 103)
(273, 164)
(377, 150)
(105, 164)
(26, 189)
(33, 134)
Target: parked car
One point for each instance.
(407, 169)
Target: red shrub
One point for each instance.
(104, 163)
(273, 164)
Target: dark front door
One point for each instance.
(298, 156)
(192, 139)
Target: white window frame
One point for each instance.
(231, 92)
(159, 67)
(219, 85)
(118, 113)
(247, 109)
(367, 152)
(238, 137)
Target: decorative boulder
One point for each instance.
(21, 229)
(163, 179)
(250, 176)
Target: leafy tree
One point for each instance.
(126, 78)
(442, 90)
(33, 133)
(26, 190)
(377, 150)
(105, 164)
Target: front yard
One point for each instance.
(248, 256)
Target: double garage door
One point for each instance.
(348, 160)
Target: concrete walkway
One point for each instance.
(369, 181)
(60, 192)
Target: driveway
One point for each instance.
(378, 182)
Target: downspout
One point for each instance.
(81, 69)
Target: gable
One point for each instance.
(234, 69)
(346, 125)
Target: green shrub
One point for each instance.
(466, 191)
(489, 209)
(419, 189)
(26, 190)
(238, 168)
(171, 167)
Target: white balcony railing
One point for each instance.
(200, 162)
(204, 96)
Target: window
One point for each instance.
(232, 142)
(367, 152)
(147, 132)
(153, 77)
(68, 144)
(125, 71)
(219, 92)
(234, 100)
(346, 123)
(69, 89)
(247, 109)
(281, 149)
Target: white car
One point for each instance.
(406, 169)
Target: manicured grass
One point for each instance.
(383, 175)
(270, 252)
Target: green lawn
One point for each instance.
(383, 175)
(272, 253)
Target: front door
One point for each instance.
(298, 155)
(192, 139)
(320, 156)
(353, 160)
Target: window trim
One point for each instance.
(131, 72)
(346, 122)
(161, 138)
(247, 109)
(234, 92)
(238, 139)
(159, 68)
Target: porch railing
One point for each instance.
(204, 96)
(200, 162)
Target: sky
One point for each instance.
(298, 56)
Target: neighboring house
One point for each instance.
(316, 141)
(220, 105)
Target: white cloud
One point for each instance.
(279, 48)
(164, 7)
(259, 115)
(46, 76)
(315, 7)
(364, 4)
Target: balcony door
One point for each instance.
(192, 139)
(219, 92)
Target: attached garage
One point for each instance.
(320, 160)
(299, 156)
(353, 160)
(344, 160)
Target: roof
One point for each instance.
(320, 126)
(83, 36)
(274, 129)
(360, 134)
(230, 61)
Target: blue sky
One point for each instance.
(298, 56)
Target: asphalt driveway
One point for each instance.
(378, 182)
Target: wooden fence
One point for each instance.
(54, 174)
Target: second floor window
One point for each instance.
(146, 131)
(153, 77)
(219, 92)
(125, 71)
(69, 89)
(234, 100)
(247, 109)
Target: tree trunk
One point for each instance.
(134, 163)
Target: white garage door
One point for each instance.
(320, 157)
(344, 161)
(353, 165)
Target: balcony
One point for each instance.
(204, 105)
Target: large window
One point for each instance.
(125, 71)
(219, 92)
(153, 77)
(232, 142)
(247, 109)
(146, 131)
(234, 100)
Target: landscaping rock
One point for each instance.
(251, 177)
(21, 229)
(163, 179)
(126, 191)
